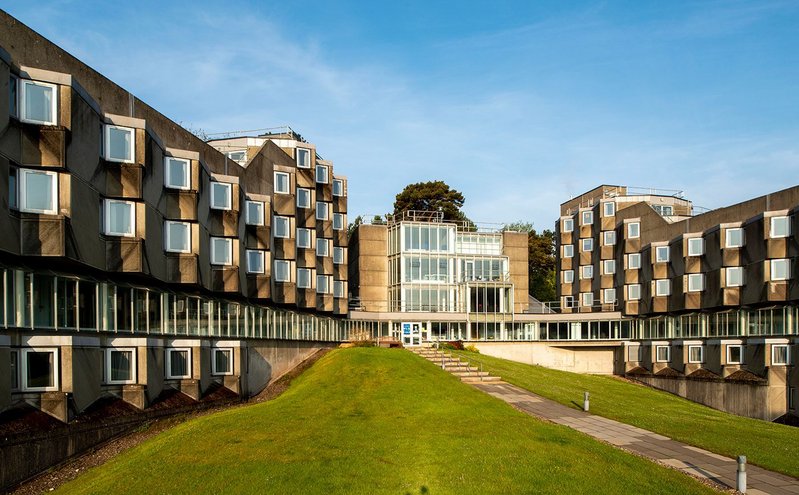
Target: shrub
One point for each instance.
(456, 345)
(472, 348)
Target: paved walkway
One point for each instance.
(692, 460)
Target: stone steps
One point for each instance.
(456, 366)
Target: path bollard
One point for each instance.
(741, 479)
(585, 401)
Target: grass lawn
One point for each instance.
(770, 445)
(373, 420)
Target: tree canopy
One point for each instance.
(541, 260)
(431, 196)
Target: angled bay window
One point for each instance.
(322, 284)
(734, 276)
(38, 191)
(663, 287)
(222, 361)
(338, 255)
(221, 195)
(696, 246)
(609, 208)
(282, 183)
(586, 272)
(568, 276)
(39, 370)
(696, 282)
(323, 247)
(119, 144)
(281, 271)
(662, 254)
(280, 226)
(780, 355)
(609, 295)
(587, 218)
(587, 244)
(120, 218)
(695, 354)
(178, 363)
(38, 102)
(303, 278)
(338, 289)
(254, 212)
(177, 173)
(634, 261)
(780, 269)
(735, 354)
(587, 299)
(610, 238)
(338, 221)
(221, 251)
(780, 227)
(338, 187)
(304, 238)
(734, 238)
(178, 237)
(303, 158)
(255, 261)
(609, 267)
(321, 174)
(303, 197)
(568, 251)
(567, 225)
(322, 210)
(120, 366)
(634, 292)
(633, 230)
(662, 354)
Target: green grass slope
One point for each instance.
(770, 445)
(377, 421)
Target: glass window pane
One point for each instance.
(38, 102)
(119, 217)
(40, 372)
(178, 363)
(220, 196)
(220, 251)
(120, 144)
(178, 236)
(177, 173)
(222, 361)
(121, 366)
(39, 191)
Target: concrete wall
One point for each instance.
(578, 358)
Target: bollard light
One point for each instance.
(741, 478)
(585, 401)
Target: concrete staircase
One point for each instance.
(455, 365)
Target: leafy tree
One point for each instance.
(353, 226)
(378, 220)
(541, 260)
(431, 196)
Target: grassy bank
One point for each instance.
(770, 445)
(377, 421)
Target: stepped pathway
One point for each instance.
(689, 459)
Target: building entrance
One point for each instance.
(411, 334)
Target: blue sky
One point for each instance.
(519, 105)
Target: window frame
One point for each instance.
(584, 269)
(629, 290)
(326, 209)
(659, 257)
(605, 205)
(168, 368)
(605, 293)
(727, 271)
(605, 264)
(22, 96)
(108, 375)
(186, 172)
(636, 256)
(338, 260)
(261, 207)
(787, 348)
(167, 236)
(107, 143)
(339, 293)
(324, 287)
(229, 195)
(571, 254)
(277, 220)
(213, 258)
(326, 177)
(214, 370)
(107, 202)
(23, 369)
(310, 238)
(727, 241)
(690, 246)
(787, 233)
(589, 241)
(612, 235)
(564, 223)
(586, 299)
(340, 217)
(309, 285)
(305, 204)
(306, 152)
(667, 349)
(321, 241)
(701, 354)
(658, 292)
(740, 348)
(287, 189)
(568, 277)
(587, 214)
(262, 254)
(340, 188)
(695, 276)
(22, 196)
(637, 226)
(229, 156)
(275, 271)
(777, 262)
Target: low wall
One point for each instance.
(596, 359)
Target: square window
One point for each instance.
(321, 174)
(587, 244)
(178, 363)
(304, 238)
(282, 183)
(338, 221)
(254, 212)
(321, 284)
(695, 354)
(734, 238)
(610, 238)
(568, 276)
(281, 227)
(663, 287)
(120, 366)
(634, 261)
(696, 282)
(40, 370)
(662, 254)
(587, 218)
(239, 157)
(609, 296)
(303, 158)
(338, 255)
(662, 354)
(609, 267)
(303, 278)
(696, 246)
(178, 237)
(780, 227)
(255, 261)
(221, 194)
(221, 251)
(633, 230)
(120, 144)
(735, 354)
(780, 269)
(120, 218)
(568, 225)
(303, 198)
(568, 251)
(322, 247)
(281, 271)
(222, 361)
(321, 210)
(338, 187)
(734, 276)
(38, 191)
(587, 271)
(609, 208)
(38, 102)
(780, 355)
(587, 299)
(176, 173)
(568, 301)
(338, 289)
(634, 292)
